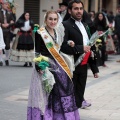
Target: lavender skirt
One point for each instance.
(59, 104)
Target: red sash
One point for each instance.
(85, 59)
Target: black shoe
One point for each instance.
(1, 63)
(6, 62)
(26, 64)
(3, 51)
(30, 64)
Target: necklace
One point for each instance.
(55, 35)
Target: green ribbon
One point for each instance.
(35, 29)
(43, 65)
(49, 45)
(88, 30)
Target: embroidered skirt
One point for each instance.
(59, 104)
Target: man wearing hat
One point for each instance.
(6, 20)
(63, 11)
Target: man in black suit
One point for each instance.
(63, 11)
(77, 31)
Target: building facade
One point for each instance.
(38, 8)
(97, 5)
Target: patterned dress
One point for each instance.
(59, 104)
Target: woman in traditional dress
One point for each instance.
(2, 46)
(100, 24)
(59, 103)
(22, 49)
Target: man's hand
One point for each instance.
(71, 43)
(100, 32)
(115, 37)
(5, 25)
(110, 25)
(11, 22)
(86, 49)
(96, 75)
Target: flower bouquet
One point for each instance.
(92, 41)
(36, 27)
(47, 78)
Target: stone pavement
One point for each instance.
(102, 92)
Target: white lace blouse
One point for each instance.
(27, 26)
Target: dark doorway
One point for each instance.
(33, 7)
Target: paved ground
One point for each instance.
(14, 81)
(103, 92)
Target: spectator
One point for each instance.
(92, 13)
(117, 27)
(111, 17)
(22, 49)
(6, 20)
(100, 24)
(63, 11)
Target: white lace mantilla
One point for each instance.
(68, 58)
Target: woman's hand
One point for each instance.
(40, 72)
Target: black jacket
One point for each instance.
(72, 32)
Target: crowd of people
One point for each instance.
(23, 46)
(62, 54)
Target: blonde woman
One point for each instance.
(59, 103)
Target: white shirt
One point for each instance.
(26, 26)
(83, 31)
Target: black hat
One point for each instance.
(63, 3)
